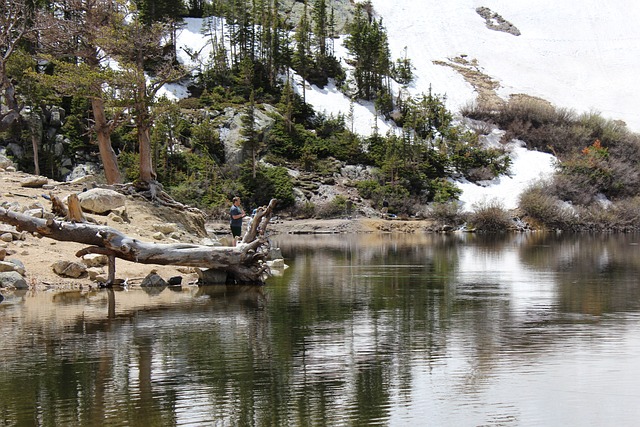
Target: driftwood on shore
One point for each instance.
(244, 263)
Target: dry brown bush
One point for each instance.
(448, 213)
(539, 203)
(490, 216)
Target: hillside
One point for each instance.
(252, 126)
(576, 55)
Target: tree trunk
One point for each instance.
(103, 133)
(244, 263)
(143, 120)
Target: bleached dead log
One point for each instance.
(75, 211)
(244, 263)
(72, 213)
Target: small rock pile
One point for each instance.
(11, 272)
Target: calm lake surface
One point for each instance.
(456, 330)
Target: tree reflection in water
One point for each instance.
(360, 330)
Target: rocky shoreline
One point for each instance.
(29, 262)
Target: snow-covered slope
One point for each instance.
(577, 54)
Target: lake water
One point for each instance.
(439, 330)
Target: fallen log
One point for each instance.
(244, 263)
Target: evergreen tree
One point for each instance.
(160, 10)
(302, 59)
(321, 26)
(135, 46)
(196, 8)
(74, 37)
(367, 43)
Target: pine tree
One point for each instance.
(73, 39)
(320, 27)
(302, 59)
(136, 46)
(367, 43)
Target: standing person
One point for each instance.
(236, 213)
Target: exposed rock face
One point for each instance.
(342, 12)
(231, 133)
(495, 22)
(5, 162)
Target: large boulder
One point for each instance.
(231, 132)
(34, 181)
(101, 200)
(12, 280)
(12, 265)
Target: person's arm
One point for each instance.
(240, 215)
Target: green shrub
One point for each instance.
(335, 207)
(442, 190)
(269, 182)
(367, 188)
(203, 194)
(190, 103)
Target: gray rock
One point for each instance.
(95, 260)
(16, 150)
(153, 280)
(81, 171)
(211, 276)
(5, 162)
(69, 268)
(7, 266)
(35, 213)
(12, 280)
(18, 265)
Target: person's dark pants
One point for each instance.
(236, 231)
